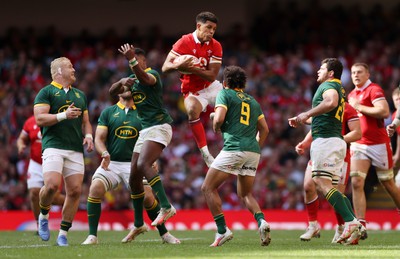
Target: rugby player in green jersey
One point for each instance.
(116, 134)
(328, 149)
(155, 135)
(61, 112)
(244, 129)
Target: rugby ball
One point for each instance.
(182, 58)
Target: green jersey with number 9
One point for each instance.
(239, 129)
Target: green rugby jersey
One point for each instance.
(328, 124)
(123, 131)
(149, 102)
(66, 134)
(239, 129)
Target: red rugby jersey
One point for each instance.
(35, 137)
(373, 130)
(208, 53)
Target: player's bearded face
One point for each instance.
(127, 95)
(322, 74)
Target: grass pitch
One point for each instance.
(195, 244)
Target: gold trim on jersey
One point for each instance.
(335, 80)
(238, 89)
(59, 86)
(122, 107)
(41, 104)
(222, 106)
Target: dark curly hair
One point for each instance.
(334, 64)
(235, 77)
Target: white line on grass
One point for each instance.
(27, 246)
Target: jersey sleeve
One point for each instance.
(350, 113)
(259, 112)
(155, 74)
(221, 100)
(86, 102)
(103, 118)
(217, 53)
(328, 86)
(25, 128)
(42, 97)
(377, 94)
(180, 47)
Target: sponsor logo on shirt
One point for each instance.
(328, 164)
(138, 97)
(126, 132)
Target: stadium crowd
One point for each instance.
(281, 54)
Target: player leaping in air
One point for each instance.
(199, 86)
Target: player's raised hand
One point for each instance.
(128, 51)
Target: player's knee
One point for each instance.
(193, 114)
(74, 192)
(97, 188)
(358, 181)
(102, 182)
(193, 111)
(205, 189)
(143, 167)
(309, 187)
(244, 196)
(51, 188)
(308, 192)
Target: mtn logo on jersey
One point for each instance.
(138, 97)
(63, 108)
(126, 132)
